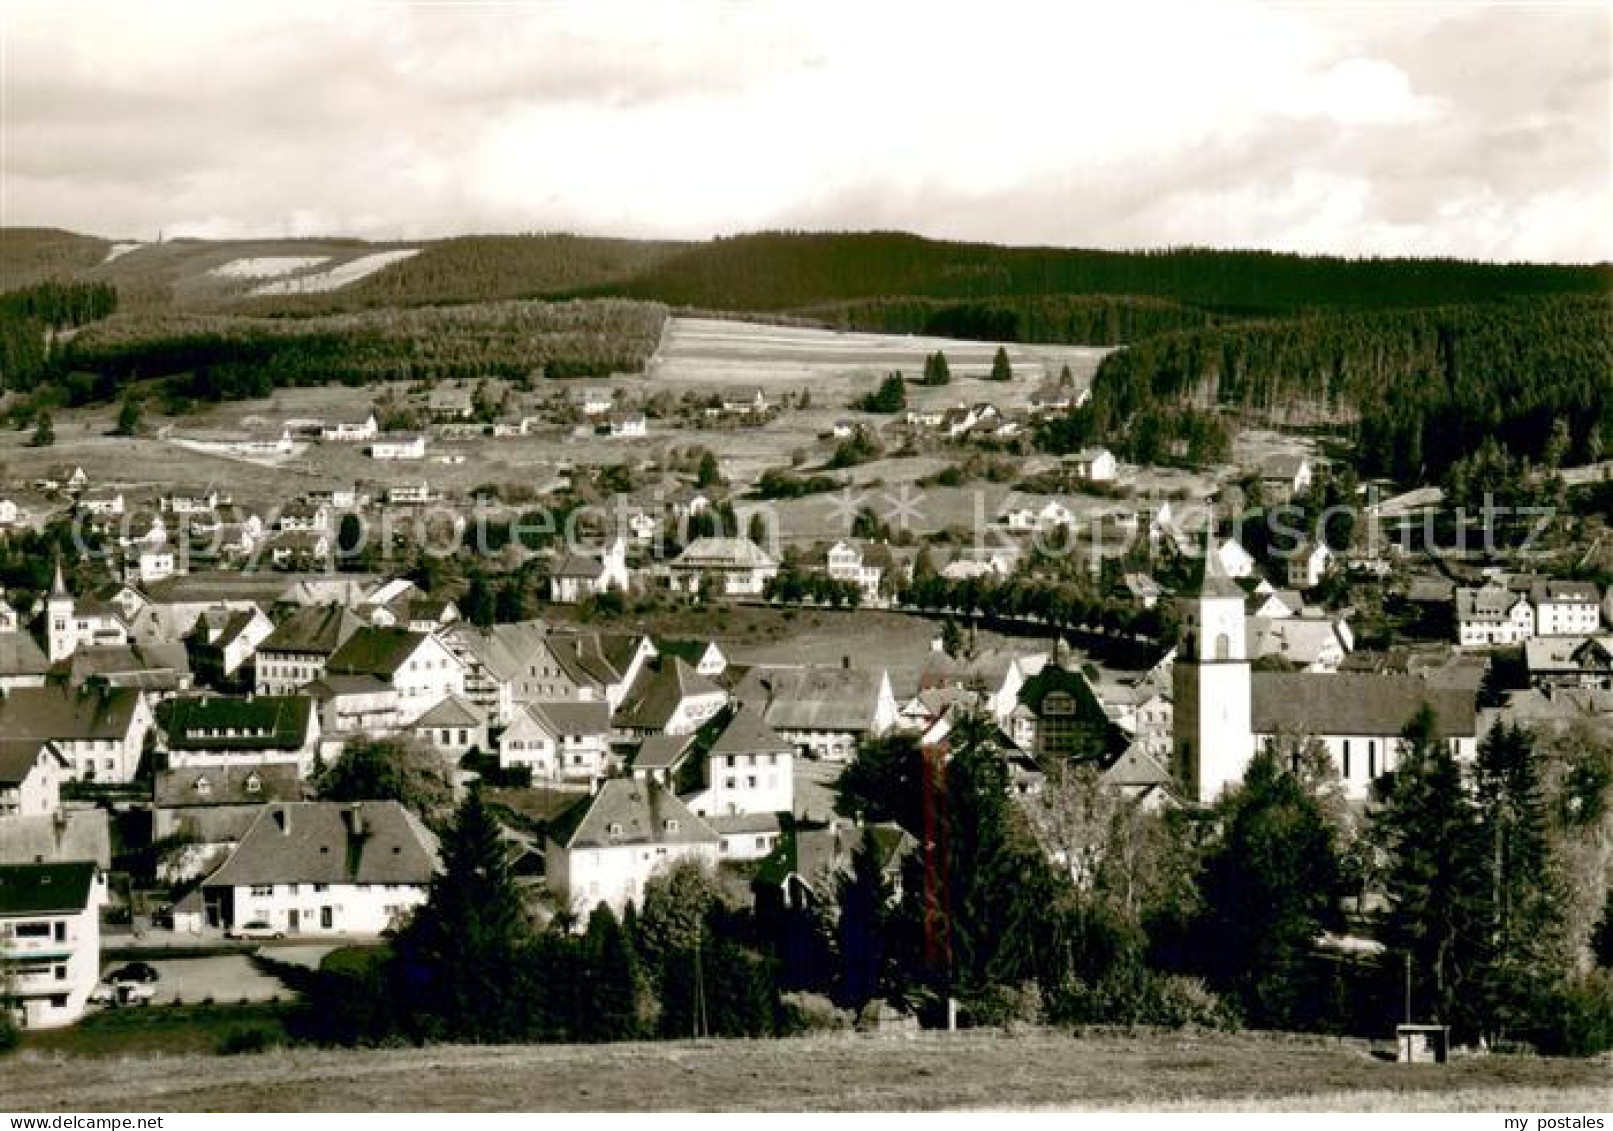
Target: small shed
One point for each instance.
(1422, 1044)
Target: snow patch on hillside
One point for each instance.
(339, 276)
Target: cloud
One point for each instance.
(1417, 130)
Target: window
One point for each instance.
(671, 825)
(1346, 758)
(262, 889)
(31, 931)
(253, 785)
(61, 971)
(1372, 759)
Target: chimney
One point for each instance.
(282, 817)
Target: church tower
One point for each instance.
(1212, 686)
(60, 633)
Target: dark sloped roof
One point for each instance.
(578, 565)
(56, 712)
(662, 751)
(264, 722)
(658, 691)
(20, 654)
(571, 716)
(319, 629)
(18, 756)
(1355, 703)
(451, 711)
(640, 811)
(33, 889)
(748, 733)
(374, 651)
(311, 842)
(817, 698)
(69, 835)
(227, 785)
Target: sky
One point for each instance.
(1359, 129)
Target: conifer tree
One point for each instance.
(1001, 370)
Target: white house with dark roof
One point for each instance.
(1308, 564)
(221, 730)
(670, 697)
(824, 712)
(558, 740)
(1566, 608)
(296, 652)
(579, 576)
(1492, 616)
(325, 868)
(32, 771)
(749, 769)
(50, 939)
(454, 726)
(205, 810)
(398, 446)
(1286, 475)
(100, 731)
(608, 847)
(419, 666)
(737, 567)
(22, 662)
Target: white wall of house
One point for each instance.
(525, 744)
(321, 909)
(283, 673)
(54, 961)
(109, 759)
(39, 794)
(430, 674)
(747, 783)
(1567, 618)
(584, 877)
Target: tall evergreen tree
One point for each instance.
(615, 1009)
(1270, 885)
(463, 951)
(1530, 949)
(1436, 878)
(864, 896)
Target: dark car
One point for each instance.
(133, 972)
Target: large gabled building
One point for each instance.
(296, 652)
(50, 939)
(606, 849)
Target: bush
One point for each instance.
(1006, 1007)
(1585, 1017)
(240, 1042)
(10, 1035)
(811, 1013)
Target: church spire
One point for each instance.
(58, 587)
(1217, 582)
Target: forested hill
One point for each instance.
(790, 271)
(1420, 388)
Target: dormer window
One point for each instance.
(615, 829)
(253, 785)
(671, 825)
(203, 786)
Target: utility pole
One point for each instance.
(1408, 987)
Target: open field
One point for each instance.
(725, 353)
(929, 1071)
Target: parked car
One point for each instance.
(254, 929)
(122, 993)
(134, 972)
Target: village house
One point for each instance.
(158, 670)
(1312, 644)
(295, 653)
(50, 939)
(749, 769)
(1492, 616)
(105, 502)
(606, 849)
(399, 446)
(1556, 662)
(805, 875)
(409, 494)
(1093, 465)
(352, 706)
(32, 771)
(324, 868)
(579, 576)
(1283, 477)
(596, 401)
(220, 730)
(344, 432)
(22, 662)
(66, 477)
(420, 667)
(736, 567)
(703, 655)
(1308, 564)
(1566, 608)
(225, 640)
(453, 727)
(668, 697)
(203, 811)
(845, 563)
(10, 513)
(451, 402)
(100, 731)
(628, 425)
(558, 740)
(191, 501)
(823, 712)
